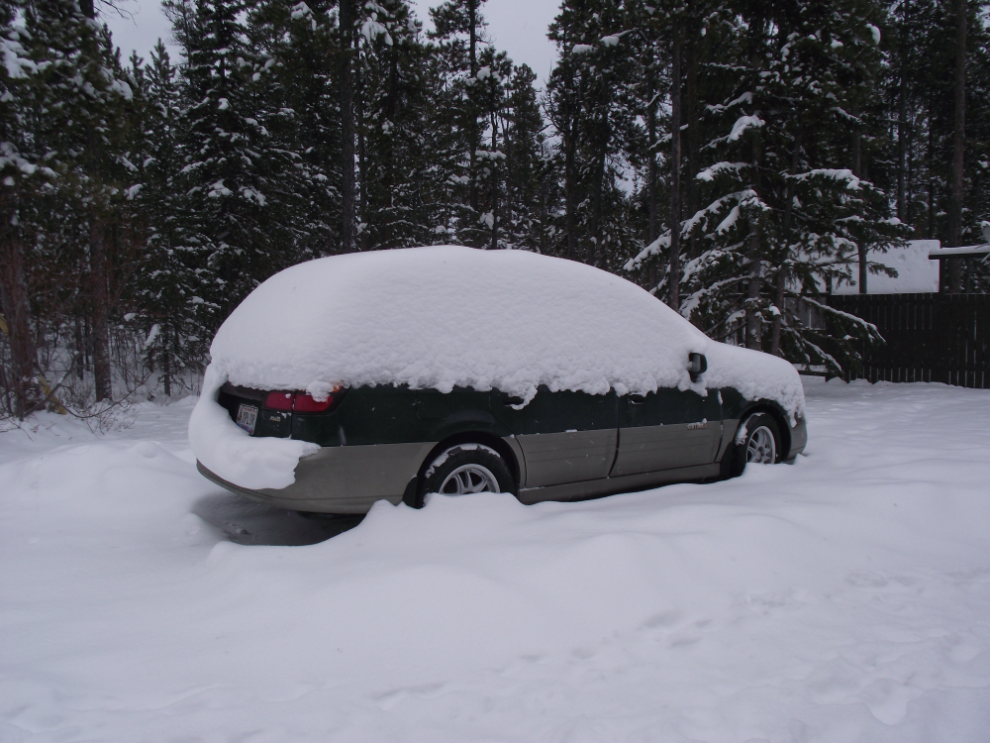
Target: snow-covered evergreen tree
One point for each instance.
(919, 106)
(400, 187)
(459, 36)
(293, 62)
(78, 100)
(173, 277)
(789, 207)
(530, 192)
(20, 175)
(588, 105)
(229, 174)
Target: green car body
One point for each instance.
(380, 442)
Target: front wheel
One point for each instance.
(757, 442)
(467, 468)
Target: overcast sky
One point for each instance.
(519, 27)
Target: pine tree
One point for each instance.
(229, 173)
(399, 185)
(176, 323)
(588, 105)
(295, 89)
(921, 36)
(664, 40)
(531, 192)
(459, 33)
(79, 99)
(494, 71)
(19, 176)
(789, 207)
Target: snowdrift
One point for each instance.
(845, 599)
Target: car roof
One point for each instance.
(445, 316)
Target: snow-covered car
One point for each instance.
(392, 374)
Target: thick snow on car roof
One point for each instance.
(446, 316)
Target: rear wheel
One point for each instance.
(757, 442)
(467, 468)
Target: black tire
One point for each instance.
(467, 468)
(758, 440)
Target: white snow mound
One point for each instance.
(446, 316)
(231, 453)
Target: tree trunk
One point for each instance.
(958, 148)
(929, 166)
(864, 261)
(778, 319)
(857, 168)
(755, 288)
(494, 162)
(651, 186)
(390, 174)
(87, 337)
(362, 165)
(167, 359)
(570, 183)
(17, 312)
(597, 193)
(693, 128)
(910, 178)
(651, 146)
(674, 268)
(346, 130)
(902, 148)
(473, 124)
(99, 271)
(99, 276)
(79, 362)
(754, 323)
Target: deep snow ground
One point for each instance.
(846, 598)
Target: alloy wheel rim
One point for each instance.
(762, 448)
(469, 478)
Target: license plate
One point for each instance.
(247, 417)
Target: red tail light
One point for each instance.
(279, 400)
(306, 403)
(300, 402)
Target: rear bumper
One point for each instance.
(341, 479)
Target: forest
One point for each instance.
(738, 158)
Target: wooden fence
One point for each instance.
(930, 337)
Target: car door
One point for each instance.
(667, 429)
(565, 436)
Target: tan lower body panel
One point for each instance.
(610, 485)
(343, 479)
(349, 479)
(653, 448)
(569, 456)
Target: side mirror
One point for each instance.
(697, 365)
